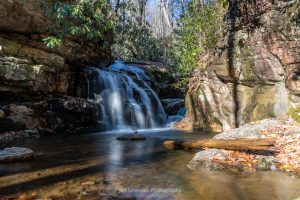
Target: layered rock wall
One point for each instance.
(255, 72)
(32, 74)
(28, 67)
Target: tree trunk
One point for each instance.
(233, 144)
(165, 13)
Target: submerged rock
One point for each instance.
(267, 163)
(15, 154)
(206, 159)
(131, 137)
(91, 129)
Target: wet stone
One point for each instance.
(267, 163)
(206, 159)
(131, 137)
(15, 154)
(2, 114)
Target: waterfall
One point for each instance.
(125, 99)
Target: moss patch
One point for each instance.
(295, 113)
(247, 61)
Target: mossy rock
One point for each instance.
(248, 72)
(295, 113)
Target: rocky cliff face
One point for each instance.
(27, 65)
(255, 72)
(31, 73)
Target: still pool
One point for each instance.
(96, 165)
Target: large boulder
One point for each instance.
(255, 73)
(15, 154)
(206, 159)
(20, 117)
(70, 114)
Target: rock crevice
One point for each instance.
(255, 76)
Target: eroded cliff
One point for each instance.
(254, 73)
(43, 79)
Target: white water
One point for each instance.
(125, 98)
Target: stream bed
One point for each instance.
(93, 165)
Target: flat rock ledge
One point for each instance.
(249, 131)
(284, 154)
(131, 137)
(15, 154)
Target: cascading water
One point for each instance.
(125, 98)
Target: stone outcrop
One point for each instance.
(66, 114)
(172, 106)
(254, 73)
(14, 154)
(69, 114)
(161, 78)
(28, 67)
(283, 153)
(38, 84)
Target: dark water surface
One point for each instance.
(144, 169)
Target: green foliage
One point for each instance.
(295, 113)
(199, 31)
(84, 20)
(182, 83)
(133, 41)
(224, 3)
(52, 41)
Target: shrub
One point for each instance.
(199, 30)
(85, 20)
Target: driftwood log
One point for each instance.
(232, 144)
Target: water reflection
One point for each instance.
(115, 155)
(77, 159)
